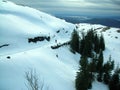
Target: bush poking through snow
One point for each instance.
(60, 45)
(38, 38)
(105, 29)
(118, 31)
(32, 81)
(8, 57)
(4, 45)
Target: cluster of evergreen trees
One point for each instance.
(93, 69)
(87, 43)
(91, 47)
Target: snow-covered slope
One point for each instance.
(18, 23)
(56, 67)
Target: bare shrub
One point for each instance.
(32, 81)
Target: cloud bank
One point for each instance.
(97, 7)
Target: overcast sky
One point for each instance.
(75, 7)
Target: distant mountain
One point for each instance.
(74, 19)
(104, 21)
(111, 22)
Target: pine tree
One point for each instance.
(102, 43)
(108, 67)
(100, 61)
(96, 44)
(111, 63)
(74, 44)
(106, 78)
(93, 64)
(92, 70)
(99, 66)
(84, 63)
(87, 51)
(82, 44)
(114, 83)
(83, 79)
(87, 44)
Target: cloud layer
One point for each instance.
(103, 7)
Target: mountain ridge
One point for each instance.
(106, 21)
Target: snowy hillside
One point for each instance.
(25, 22)
(55, 67)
